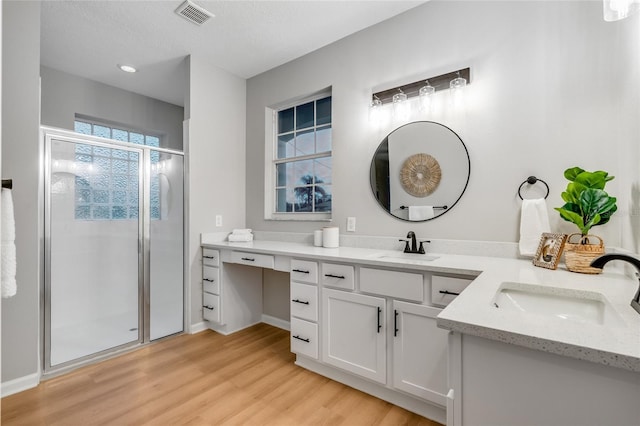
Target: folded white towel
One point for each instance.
(241, 231)
(240, 238)
(420, 212)
(534, 220)
(8, 246)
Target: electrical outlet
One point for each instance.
(218, 220)
(351, 224)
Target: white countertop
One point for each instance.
(473, 311)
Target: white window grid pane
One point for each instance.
(295, 187)
(295, 132)
(290, 187)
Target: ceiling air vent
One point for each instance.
(194, 13)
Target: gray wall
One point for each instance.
(21, 162)
(543, 97)
(64, 95)
(215, 149)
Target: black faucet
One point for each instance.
(602, 260)
(414, 245)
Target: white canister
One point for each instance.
(317, 238)
(330, 236)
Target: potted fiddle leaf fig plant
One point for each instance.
(587, 204)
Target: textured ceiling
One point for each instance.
(246, 38)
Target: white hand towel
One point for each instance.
(8, 246)
(534, 220)
(240, 238)
(241, 231)
(420, 212)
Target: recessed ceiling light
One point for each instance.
(127, 68)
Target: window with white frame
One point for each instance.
(109, 189)
(302, 158)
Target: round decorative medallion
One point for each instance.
(420, 175)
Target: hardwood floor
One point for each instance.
(202, 379)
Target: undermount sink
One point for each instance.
(561, 303)
(408, 257)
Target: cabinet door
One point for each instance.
(419, 352)
(353, 333)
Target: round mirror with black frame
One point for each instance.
(420, 171)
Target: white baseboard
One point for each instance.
(276, 322)
(20, 384)
(198, 327)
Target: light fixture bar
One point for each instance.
(440, 82)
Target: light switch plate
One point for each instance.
(351, 224)
(218, 220)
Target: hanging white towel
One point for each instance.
(8, 246)
(420, 212)
(534, 220)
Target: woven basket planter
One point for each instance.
(579, 255)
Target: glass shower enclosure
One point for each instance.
(113, 247)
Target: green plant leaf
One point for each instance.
(608, 211)
(572, 194)
(592, 221)
(570, 174)
(571, 216)
(594, 200)
(595, 180)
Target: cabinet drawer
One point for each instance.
(445, 289)
(340, 276)
(403, 285)
(211, 279)
(252, 259)
(304, 271)
(304, 301)
(304, 338)
(211, 307)
(210, 257)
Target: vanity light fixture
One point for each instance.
(457, 86)
(615, 10)
(127, 68)
(426, 97)
(458, 83)
(401, 107)
(375, 111)
(462, 77)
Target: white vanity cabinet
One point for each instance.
(354, 333)
(304, 308)
(211, 289)
(419, 352)
(359, 337)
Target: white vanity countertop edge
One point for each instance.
(473, 312)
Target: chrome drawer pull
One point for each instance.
(208, 307)
(300, 301)
(209, 257)
(300, 338)
(334, 276)
(300, 270)
(248, 259)
(208, 279)
(449, 292)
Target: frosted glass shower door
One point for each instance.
(93, 235)
(166, 244)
